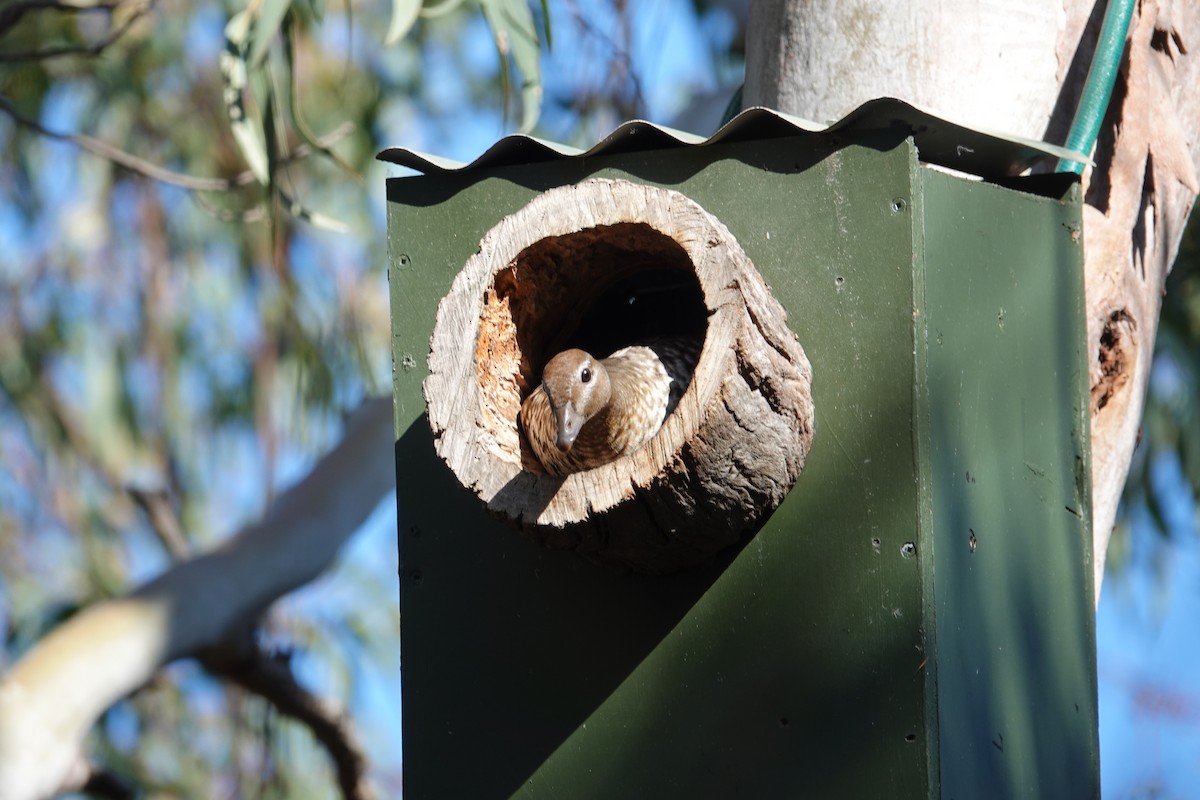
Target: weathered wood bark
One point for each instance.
(1137, 203)
(726, 456)
(1019, 66)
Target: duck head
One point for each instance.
(578, 388)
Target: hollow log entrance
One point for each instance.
(601, 265)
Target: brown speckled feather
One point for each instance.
(644, 384)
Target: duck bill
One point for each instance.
(569, 422)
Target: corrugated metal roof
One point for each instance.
(984, 153)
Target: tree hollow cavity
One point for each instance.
(601, 265)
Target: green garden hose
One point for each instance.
(1098, 89)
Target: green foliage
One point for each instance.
(182, 312)
(516, 40)
(1171, 421)
(183, 318)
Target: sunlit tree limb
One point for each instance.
(54, 694)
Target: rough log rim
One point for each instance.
(474, 390)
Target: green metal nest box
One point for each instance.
(856, 559)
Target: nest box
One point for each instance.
(855, 560)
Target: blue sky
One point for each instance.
(1148, 647)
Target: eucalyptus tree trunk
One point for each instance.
(1018, 66)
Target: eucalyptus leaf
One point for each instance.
(441, 9)
(1189, 446)
(316, 9)
(1155, 509)
(546, 24)
(264, 91)
(516, 38)
(237, 29)
(247, 132)
(297, 116)
(314, 218)
(404, 16)
(269, 17)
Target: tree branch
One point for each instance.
(92, 50)
(142, 167)
(103, 783)
(53, 695)
(120, 157)
(270, 676)
(14, 12)
(160, 512)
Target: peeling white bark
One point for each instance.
(1018, 66)
(985, 64)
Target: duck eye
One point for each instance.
(585, 375)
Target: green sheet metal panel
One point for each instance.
(797, 667)
(1008, 426)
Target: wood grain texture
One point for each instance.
(727, 455)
